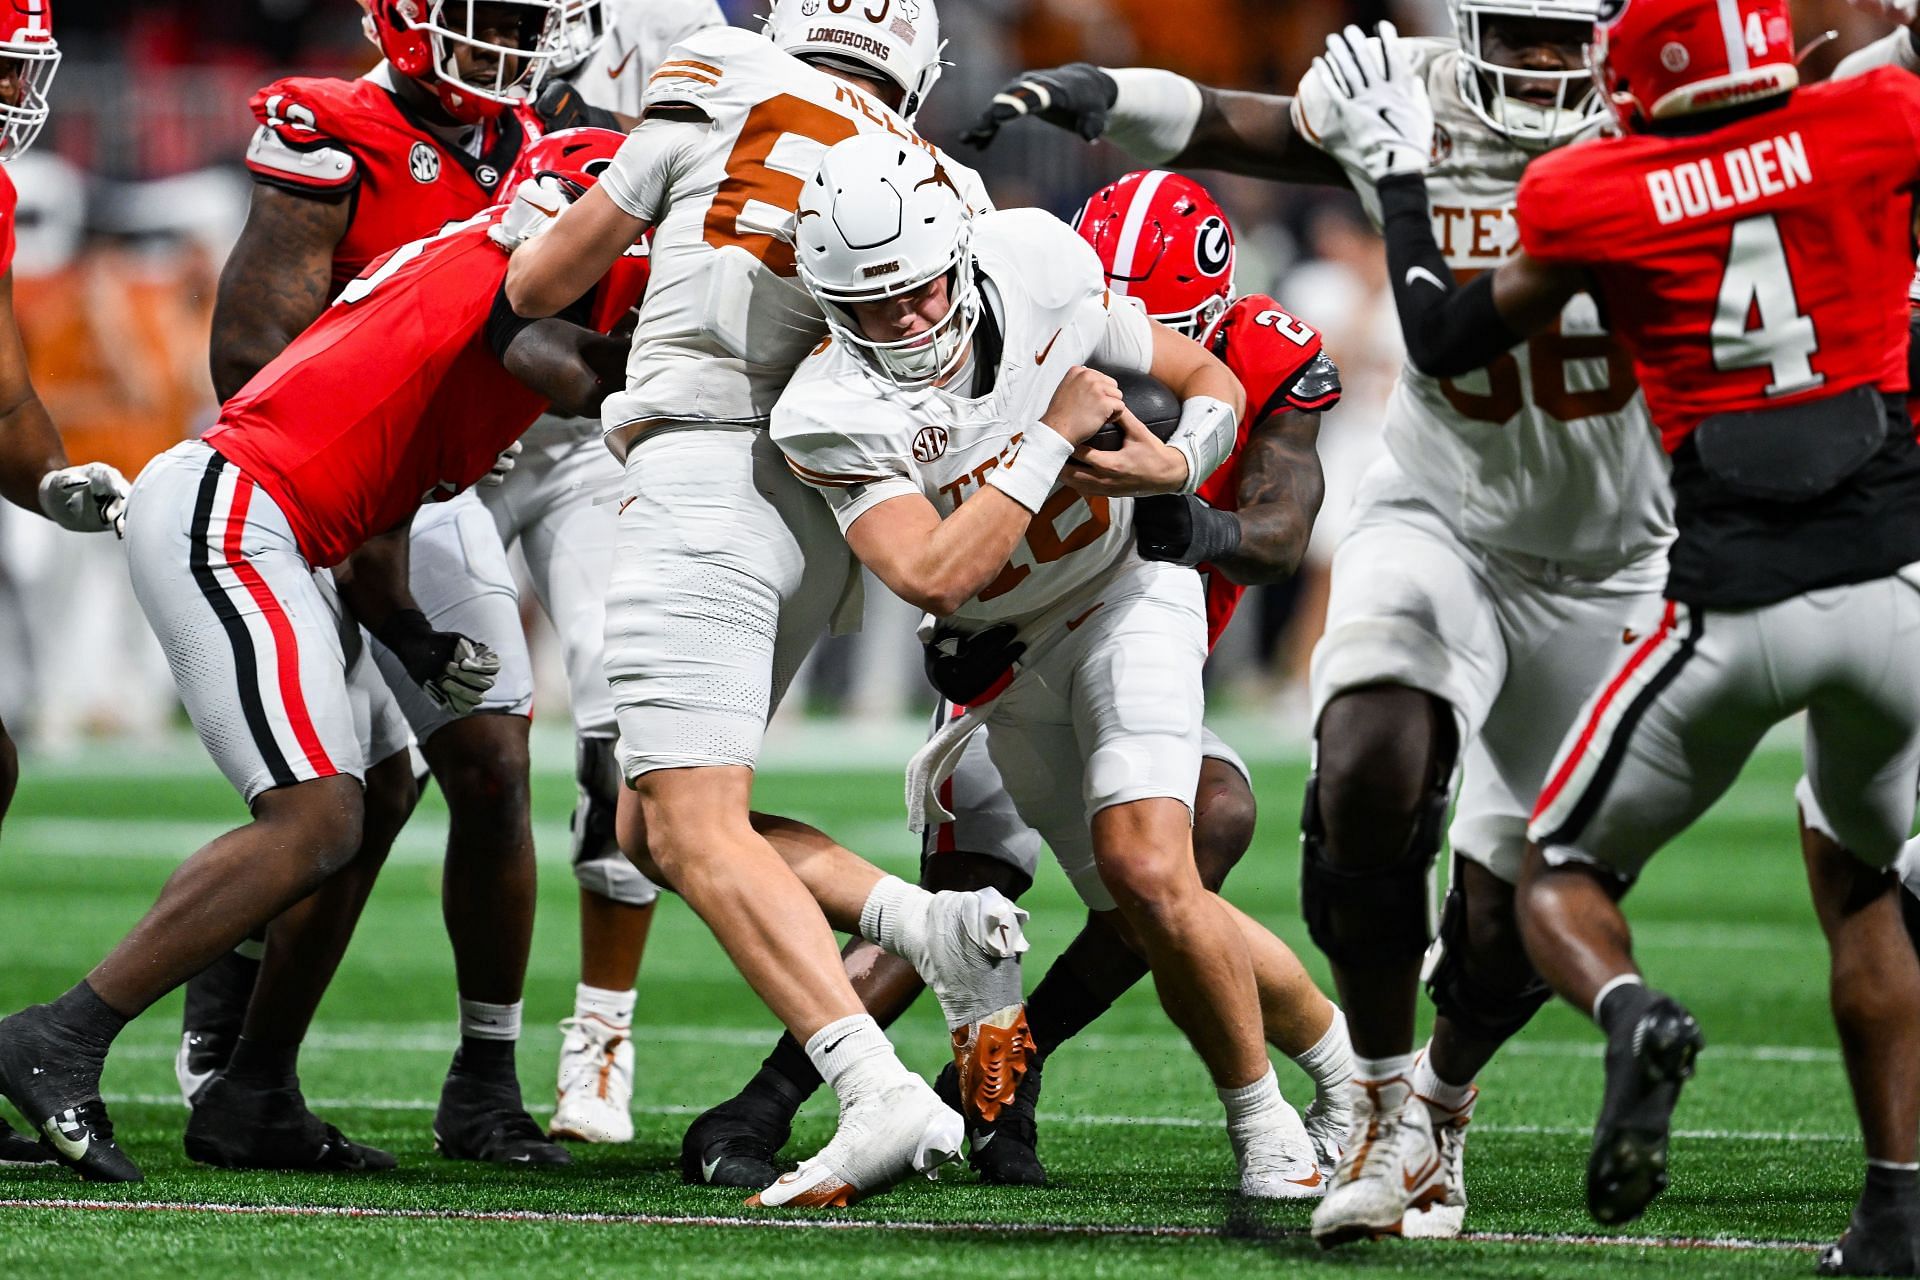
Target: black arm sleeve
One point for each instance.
(503, 326)
(1449, 329)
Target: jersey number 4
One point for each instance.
(1757, 322)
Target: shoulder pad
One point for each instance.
(838, 441)
(304, 133)
(1056, 267)
(657, 22)
(694, 69)
(1281, 362)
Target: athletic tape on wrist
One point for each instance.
(1206, 435)
(1030, 480)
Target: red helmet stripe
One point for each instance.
(1123, 264)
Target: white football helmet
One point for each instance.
(883, 218)
(896, 40)
(1577, 105)
(582, 30)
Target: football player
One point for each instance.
(545, 502)
(728, 568)
(1512, 536)
(1749, 239)
(1162, 239)
(938, 420)
(34, 472)
(405, 390)
(345, 170)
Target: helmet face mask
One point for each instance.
(479, 56)
(28, 59)
(583, 29)
(895, 41)
(1536, 106)
(1162, 239)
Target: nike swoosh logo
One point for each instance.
(614, 72)
(836, 1044)
(1075, 624)
(708, 1166)
(1048, 349)
(1415, 274)
(985, 1140)
(71, 1148)
(1314, 1181)
(1421, 1174)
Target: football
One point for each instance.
(1148, 399)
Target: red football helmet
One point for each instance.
(425, 40)
(28, 59)
(578, 157)
(1162, 239)
(1656, 59)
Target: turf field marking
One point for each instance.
(1734, 1244)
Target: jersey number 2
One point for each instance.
(1757, 322)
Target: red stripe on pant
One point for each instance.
(1559, 781)
(286, 648)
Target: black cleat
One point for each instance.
(20, 1148)
(210, 1028)
(483, 1119)
(1883, 1242)
(736, 1143)
(237, 1126)
(1005, 1150)
(56, 1086)
(1647, 1060)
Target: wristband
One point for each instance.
(1155, 113)
(1206, 435)
(1030, 479)
(1216, 534)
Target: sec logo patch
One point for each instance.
(423, 162)
(930, 444)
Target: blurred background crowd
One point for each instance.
(132, 197)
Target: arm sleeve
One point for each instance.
(1128, 340)
(854, 472)
(294, 148)
(1449, 329)
(645, 168)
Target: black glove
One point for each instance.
(1077, 96)
(560, 106)
(963, 667)
(452, 670)
(1181, 529)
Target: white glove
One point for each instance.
(509, 458)
(89, 498)
(465, 677)
(536, 203)
(1379, 101)
(1901, 11)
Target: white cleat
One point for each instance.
(974, 943)
(1444, 1220)
(1391, 1166)
(882, 1140)
(596, 1083)
(1329, 1119)
(1280, 1164)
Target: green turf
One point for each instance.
(1131, 1128)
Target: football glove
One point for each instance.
(963, 667)
(560, 106)
(1078, 96)
(536, 203)
(503, 465)
(1182, 529)
(454, 671)
(89, 498)
(1382, 107)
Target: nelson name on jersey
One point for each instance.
(1752, 173)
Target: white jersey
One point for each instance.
(639, 34)
(862, 441)
(735, 128)
(1549, 451)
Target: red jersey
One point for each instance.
(335, 139)
(9, 203)
(393, 397)
(1762, 263)
(1266, 348)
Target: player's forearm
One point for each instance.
(1253, 134)
(573, 367)
(1281, 489)
(30, 447)
(554, 269)
(1449, 329)
(957, 558)
(373, 581)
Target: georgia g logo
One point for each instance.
(423, 162)
(930, 444)
(1213, 247)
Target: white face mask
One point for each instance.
(1490, 88)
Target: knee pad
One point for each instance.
(1484, 1010)
(598, 864)
(1362, 916)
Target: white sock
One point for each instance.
(895, 917)
(1428, 1084)
(854, 1056)
(1252, 1109)
(1330, 1062)
(1612, 985)
(615, 1008)
(1400, 1064)
(482, 1021)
